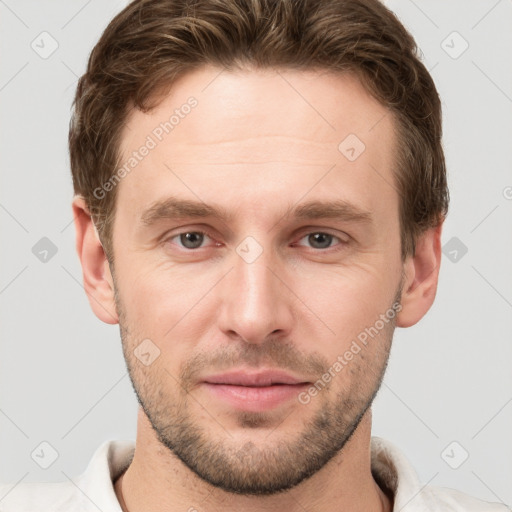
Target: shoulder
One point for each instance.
(396, 476)
(91, 491)
(457, 501)
(32, 497)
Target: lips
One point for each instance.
(259, 379)
(257, 391)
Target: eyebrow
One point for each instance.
(175, 208)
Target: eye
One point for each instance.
(322, 240)
(189, 239)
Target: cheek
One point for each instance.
(150, 288)
(169, 307)
(349, 295)
(348, 304)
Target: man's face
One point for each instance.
(272, 286)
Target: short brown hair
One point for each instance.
(151, 43)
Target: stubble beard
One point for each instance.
(245, 468)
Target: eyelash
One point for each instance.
(202, 232)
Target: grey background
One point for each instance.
(62, 374)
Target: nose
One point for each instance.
(255, 302)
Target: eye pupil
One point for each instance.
(324, 239)
(191, 240)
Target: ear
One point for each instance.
(421, 276)
(98, 282)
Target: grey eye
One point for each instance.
(320, 240)
(191, 239)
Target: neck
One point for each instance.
(157, 480)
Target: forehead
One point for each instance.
(258, 133)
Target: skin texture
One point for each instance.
(258, 144)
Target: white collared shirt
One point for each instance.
(93, 490)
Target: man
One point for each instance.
(260, 192)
